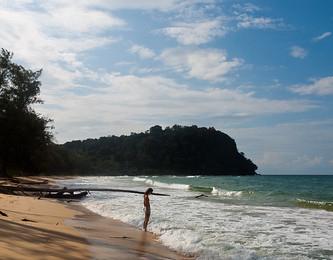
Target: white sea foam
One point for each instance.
(316, 202)
(214, 230)
(168, 185)
(162, 184)
(139, 179)
(226, 193)
(328, 205)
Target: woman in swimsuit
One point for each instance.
(146, 205)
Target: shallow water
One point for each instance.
(257, 217)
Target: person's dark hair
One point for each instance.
(149, 191)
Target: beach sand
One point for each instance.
(44, 236)
(56, 230)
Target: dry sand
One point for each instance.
(44, 236)
(58, 231)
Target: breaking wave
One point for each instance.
(159, 184)
(226, 193)
(327, 205)
(212, 190)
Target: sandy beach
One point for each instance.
(36, 229)
(47, 229)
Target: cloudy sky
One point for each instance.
(260, 71)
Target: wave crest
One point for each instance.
(159, 184)
(178, 186)
(139, 179)
(226, 193)
(327, 205)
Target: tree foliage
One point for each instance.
(174, 150)
(24, 134)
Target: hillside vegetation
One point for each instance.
(173, 150)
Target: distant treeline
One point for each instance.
(173, 150)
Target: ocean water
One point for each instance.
(255, 217)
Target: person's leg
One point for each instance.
(145, 223)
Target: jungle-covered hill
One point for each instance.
(173, 150)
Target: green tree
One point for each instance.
(24, 134)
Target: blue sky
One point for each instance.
(260, 71)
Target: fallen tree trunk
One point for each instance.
(61, 195)
(33, 189)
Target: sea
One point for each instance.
(239, 217)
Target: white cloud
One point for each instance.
(246, 18)
(196, 32)
(322, 36)
(54, 37)
(127, 103)
(161, 5)
(143, 52)
(81, 19)
(246, 8)
(322, 86)
(205, 64)
(177, 6)
(298, 52)
(247, 21)
(196, 24)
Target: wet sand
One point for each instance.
(112, 239)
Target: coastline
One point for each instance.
(51, 229)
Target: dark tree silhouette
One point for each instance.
(24, 134)
(174, 150)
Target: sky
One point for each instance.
(260, 71)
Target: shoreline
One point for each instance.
(108, 236)
(52, 229)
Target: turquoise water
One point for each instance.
(276, 190)
(254, 217)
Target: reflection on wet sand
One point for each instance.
(141, 250)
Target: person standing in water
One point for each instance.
(146, 205)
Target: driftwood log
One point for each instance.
(23, 189)
(63, 195)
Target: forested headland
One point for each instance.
(173, 150)
(27, 147)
